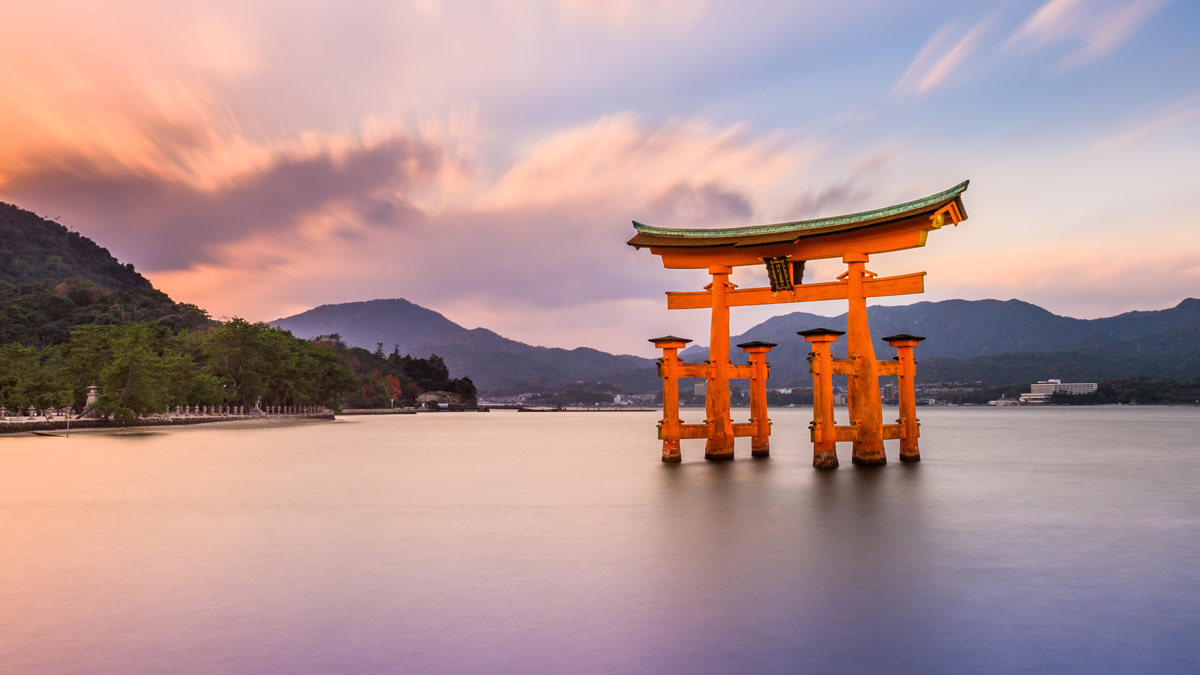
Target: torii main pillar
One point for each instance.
(866, 410)
(719, 445)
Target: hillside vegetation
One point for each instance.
(71, 315)
(53, 279)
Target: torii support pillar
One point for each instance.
(720, 425)
(907, 386)
(866, 410)
(669, 429)
(760, 442)
(820, 364)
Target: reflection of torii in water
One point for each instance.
(784, 248)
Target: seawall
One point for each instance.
(20, 426)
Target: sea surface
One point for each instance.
(1052, 540)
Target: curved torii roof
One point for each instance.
(948, 202)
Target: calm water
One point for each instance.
(1048, 540)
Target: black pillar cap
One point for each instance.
(820, 331)
(668, 338)
(756, 343)
(902, 336)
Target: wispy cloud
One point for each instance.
(1163, 119)
(1052, 21)
(942, 56)
(851, 191)
(1093, 29)
(619, 159)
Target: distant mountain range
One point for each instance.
(998, 342)
(965, 329)
(490, 360)
(1002, 342)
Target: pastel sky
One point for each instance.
(485, 159)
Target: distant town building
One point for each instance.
(700, 389)
(1041, 392)
(444, 397)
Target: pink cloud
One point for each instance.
(941, 57)
(1174, 116)
(618, 159)
(1094, 29)
(1054, 20)
(1083, 280)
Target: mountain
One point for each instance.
(491, 361)
(1003, 342)
(36, 249)
(964, 329)
(365, 324)
(53, 279)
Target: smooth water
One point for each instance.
(1045, 540)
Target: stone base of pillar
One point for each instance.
(869, 461)
(671, 452)
(719, 448)
(825, 460)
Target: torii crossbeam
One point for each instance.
(784, 248)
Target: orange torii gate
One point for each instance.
(783, 248)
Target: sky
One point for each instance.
(486, 159)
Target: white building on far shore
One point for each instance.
(1040, 392)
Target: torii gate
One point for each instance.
(783, 248)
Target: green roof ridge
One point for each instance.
(806, 224)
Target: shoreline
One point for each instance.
(582, 409)
(60, 427)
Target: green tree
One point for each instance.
(89, 350)
(234, 354)
(31, 377)
(137, 379)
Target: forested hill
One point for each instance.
(53, 279)
(71, 316)
(35, 249)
